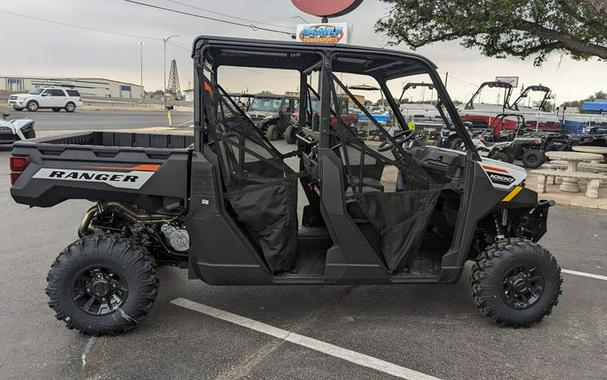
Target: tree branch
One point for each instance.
(574, 44)
(600, 6)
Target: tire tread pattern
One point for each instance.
(486, 268)
(126, 252)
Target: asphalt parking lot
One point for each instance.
(432, 329)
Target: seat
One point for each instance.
(352, 204)
(368, 182)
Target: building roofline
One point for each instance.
(67, 78)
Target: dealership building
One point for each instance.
(88, 87)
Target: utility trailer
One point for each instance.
(226, 206)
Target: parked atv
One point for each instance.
(226, 206)
(15, 129)
(272, 114)
(507, 145)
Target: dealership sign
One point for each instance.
(513, 81)
(326, 8)
(326, 33)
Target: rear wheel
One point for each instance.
(272, 132)
(290, 134)
(32, 106)
(533, 158)
(70, 107)
(516, 283)
(102, 285)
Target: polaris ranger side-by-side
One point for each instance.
(224, 203)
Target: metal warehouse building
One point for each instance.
(88, 87)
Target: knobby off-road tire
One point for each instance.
(512, 266)
(99, 266)
(533, 158)
(290, 135)
(272, 132)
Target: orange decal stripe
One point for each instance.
(140, 167)
(495, 169)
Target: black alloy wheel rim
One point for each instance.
(522, 286)
(99, 291)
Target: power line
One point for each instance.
(251, 26)
(79, 26)
(229, 16)
(179, 46)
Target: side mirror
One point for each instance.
(468, 124)
(45, 94)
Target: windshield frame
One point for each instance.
(36, 91)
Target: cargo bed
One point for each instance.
(149, 170)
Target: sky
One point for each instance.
(35, 47)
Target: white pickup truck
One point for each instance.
(55, 98)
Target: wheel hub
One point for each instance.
(519, 283)
(100, 288)
(522, 286)
(99, 291)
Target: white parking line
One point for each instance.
(314, 344)
(185, 123)
(584, 274)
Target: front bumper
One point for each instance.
(16, 103)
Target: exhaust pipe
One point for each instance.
(134, 215)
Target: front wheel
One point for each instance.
(272, 132)
(102, 285)
(290, 135)
(32, 106)
(516, 283)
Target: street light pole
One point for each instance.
(141, 70)
(164, 61)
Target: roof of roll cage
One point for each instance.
(371, 61)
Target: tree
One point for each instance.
(520, 28)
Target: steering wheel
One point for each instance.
(400, 138)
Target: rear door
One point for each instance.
(56, 98)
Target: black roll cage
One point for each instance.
(492, 84)
(296, 56)
(535, 88)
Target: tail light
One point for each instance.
(17, 166)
